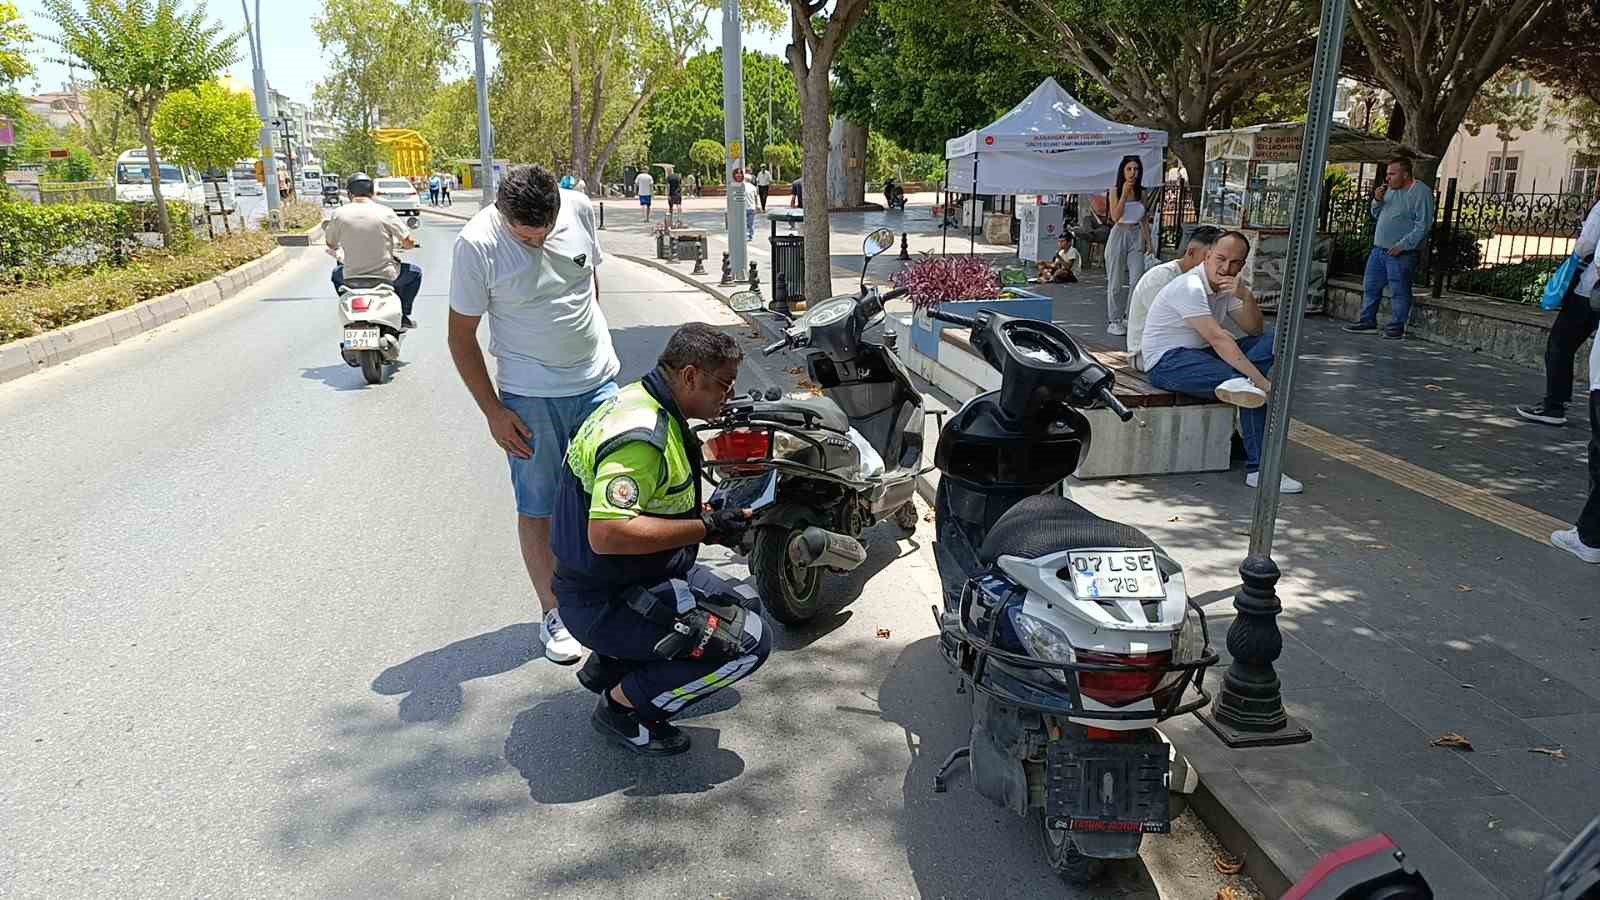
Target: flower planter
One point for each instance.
(1013, 301)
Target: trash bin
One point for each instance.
(788, 267)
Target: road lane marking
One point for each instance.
(1474, 501)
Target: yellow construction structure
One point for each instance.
(409, 153)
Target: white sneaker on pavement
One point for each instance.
(559, 645)
(1569, 541)
(1117, 328)
(1286, 485)
(1240, 392)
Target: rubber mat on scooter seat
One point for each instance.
(1049, 523)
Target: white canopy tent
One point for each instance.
(1049, 144)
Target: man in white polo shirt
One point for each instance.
(528, 262)
(1158, 277)
(1188, 351)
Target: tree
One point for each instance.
(814, 42)
(1563, 55)
(690, 108)
(207, 127)
(351, 152)
(780, 157)
(451, 122)
(142, 51)
(103, 126)
(14, 67)
(709, 154)
(1182, 66)
(1434, 56)
(385, 59)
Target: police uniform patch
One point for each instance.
(622, 492)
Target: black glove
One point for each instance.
(725, 526)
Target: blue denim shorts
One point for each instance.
(553, 421)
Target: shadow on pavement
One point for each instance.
(563, 760)
(883, 543)
(432, 681)
(342, 377)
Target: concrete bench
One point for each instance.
(1170, 432)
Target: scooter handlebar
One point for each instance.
(1115, 405)
(952, 318)
(895, 294)
(774, 347)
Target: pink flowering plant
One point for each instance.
(932, 280)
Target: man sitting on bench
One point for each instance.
(1188, 351)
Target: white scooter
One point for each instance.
(369, 309)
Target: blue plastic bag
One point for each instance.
(1560, 283)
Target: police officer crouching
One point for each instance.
(665, 633)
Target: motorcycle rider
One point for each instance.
(628, 523)
(370, 235)
(893, 195)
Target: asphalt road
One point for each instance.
(264, 632)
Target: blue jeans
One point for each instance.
(406, 286)
(749, 224)
(1198, 372)
(553, 421)
(1396, 272)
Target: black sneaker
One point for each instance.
(1394, 334)
(1544, 414)
(1361, 327)
(621, 726)
(407, 323)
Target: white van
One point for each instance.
(244, 179)
(177, 183)
(310, 182)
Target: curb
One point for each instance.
(304, 239)
(456, 216)
(29, 355)
(686, 279)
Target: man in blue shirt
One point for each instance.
(1404, 209)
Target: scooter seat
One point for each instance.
(367, 283)
(1049, 523)
(796, 411)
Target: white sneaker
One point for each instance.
(1286, 485)
(559, 645)
(1569, 541)
(1240, 392)
(1117, 328)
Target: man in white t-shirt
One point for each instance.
(764, 185)
(1152, 281)
(645, 184)
(1188, 350)
(528, 262)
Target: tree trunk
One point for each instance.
(847, 165)
(155, 181)
(1192, 153)
(816, 104)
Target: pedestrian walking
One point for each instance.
(644, 184)
(1574, 324)
(1583, 539)
(752, 205)
(1128, 242)
(795, 200)
(529, 262)
(674, 195)
(764, 185)
(1404, 209)
(444, 188)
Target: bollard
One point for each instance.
(672, 248)
(727, 271)
(1248, 711)
(905, 247)
(699, 258)
(755, 280)
(602, 215)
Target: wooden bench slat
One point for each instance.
(1133, 387)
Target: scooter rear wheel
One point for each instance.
(372, 366)
(791, 593)
(1063, 855)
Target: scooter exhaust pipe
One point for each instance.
(821, 547)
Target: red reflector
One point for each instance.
(1106, 734)
(1137, 681)
(738, 445)
(359, 304)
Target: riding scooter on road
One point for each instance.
(1073, 635)
(834, 465)
(373, 325)
(894, 196)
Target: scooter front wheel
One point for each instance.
(1064, 857)
(372, 366)
(791, 592)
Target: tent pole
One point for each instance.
(972, 235)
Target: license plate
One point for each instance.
(360, 339)
(1108, 787)
(1115, 574)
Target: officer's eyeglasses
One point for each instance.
(727, 386)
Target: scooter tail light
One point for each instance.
(359, 303)
(1138, 676)
(738, 445)
(1106, 734)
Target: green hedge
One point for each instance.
(47, 243)
(1521, 282)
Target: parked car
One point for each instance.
(177, 183)
(244, 181)
(398, 195)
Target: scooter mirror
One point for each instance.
(745, 301)
(877, 242)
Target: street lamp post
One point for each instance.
(269, 162)
(1248, 711)
(485, 133)
(733, 129)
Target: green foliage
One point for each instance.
(1455, 250)
(35, 240)
(709, 155)
(451, 122)
(207, 127)
(69, 297)
(384, 59)
(1521, 282)
(690, 109)
(142, 51)
(14, 38)
(1502, 104)
(354, 151)
(300, 216)
(886, 158)
(785, 157)
(77, 167)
